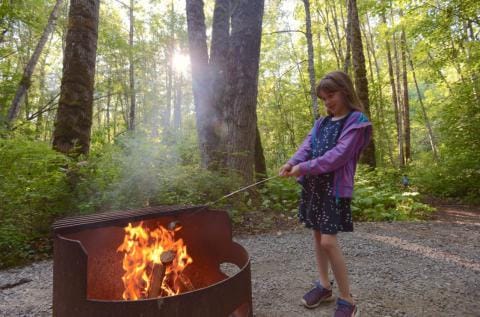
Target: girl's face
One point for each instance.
(335, 102)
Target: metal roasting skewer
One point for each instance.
(241, 189)
(231, 194)
(173, 224)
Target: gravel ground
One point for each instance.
(397, 269)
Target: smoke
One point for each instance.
(139, 171)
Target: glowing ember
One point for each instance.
(143, 249)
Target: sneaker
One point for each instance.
(317, 295)
(345, 309)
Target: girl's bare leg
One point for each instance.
(329, 245)
(322, 259)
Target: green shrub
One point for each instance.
(280, 194)
(379, 196)
(454, 176)
(33, 191)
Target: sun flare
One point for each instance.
(180, 63)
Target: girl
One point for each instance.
(325, 164)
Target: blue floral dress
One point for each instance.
(319, 208)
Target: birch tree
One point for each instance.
(30, 68)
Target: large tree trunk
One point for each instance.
(131, 69)
(218, 68)
(243, 86)
(28, 71)
(74, 116)
(311, 65)
(206, 115)
(406, 105)
(225, 88)
(361, 81)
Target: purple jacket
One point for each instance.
(341, 159)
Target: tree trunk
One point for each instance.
(109, 98)
(424, 112)
(177, 106)
(326, 22)
(225, 90)
(399, 95)
(206, 114)
(337, 31)
(169, 86)
(243, 86)
(155, 104)
(115, 106)
(166, 117)
(28, 71)
(201, 86)
(218, 68)
(406, 105)
(348, 35)
(311, 66)
(468, 35)
(361, 81)
(74, 117)
(374, 98)
(131, 69)
(383, 126)
(260, 165)
(41, 101)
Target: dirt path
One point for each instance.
(396, 269)
(429, 268)
(457, 214)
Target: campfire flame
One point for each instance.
(143, 248)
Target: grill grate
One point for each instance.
(76, 223)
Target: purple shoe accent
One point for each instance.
(345, 309)
(316, 296)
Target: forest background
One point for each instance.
(143, 134)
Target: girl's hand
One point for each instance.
(294, 172)
(284, 170)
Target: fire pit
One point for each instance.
(89, 265)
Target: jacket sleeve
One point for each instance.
(304, 151)
(349, 145)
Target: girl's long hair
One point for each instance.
(340, 81)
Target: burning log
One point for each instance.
(187, 284)
(158, 273)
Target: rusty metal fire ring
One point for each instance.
(87, 268)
